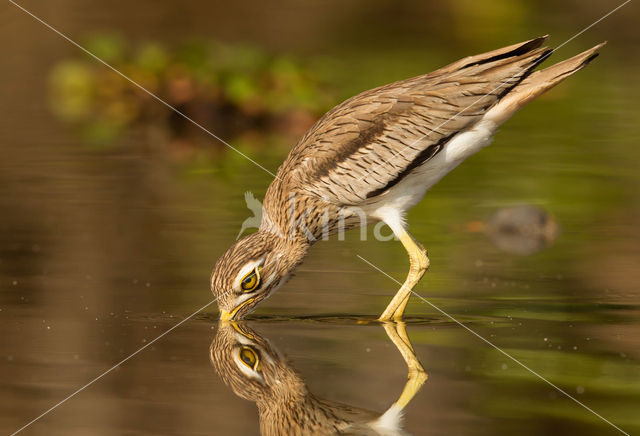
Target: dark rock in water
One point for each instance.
(523, 229)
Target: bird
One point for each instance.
(522, 229)
(373, 157)
(257, 371)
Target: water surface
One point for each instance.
(103, 249)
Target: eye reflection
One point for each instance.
(249, 358)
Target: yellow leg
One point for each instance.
(417, 376)
(419, 264)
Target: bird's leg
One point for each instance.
(417, 376)
(419, 262)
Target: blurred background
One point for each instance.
(114, 209)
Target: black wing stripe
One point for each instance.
(421, 158)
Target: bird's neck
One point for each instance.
(292, 251)
(296, 215)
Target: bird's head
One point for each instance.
(251, 270)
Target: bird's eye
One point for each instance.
(249, 358)
(251, 281)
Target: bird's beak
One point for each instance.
(228, 316)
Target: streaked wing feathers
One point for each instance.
(367, 143)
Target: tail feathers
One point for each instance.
(538, 82)
(549, 77)
(514, 50)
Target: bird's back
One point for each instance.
(369, 143)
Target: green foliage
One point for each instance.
(108, 46)
(72, 86)
(230, 88)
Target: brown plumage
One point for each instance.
(374, 156)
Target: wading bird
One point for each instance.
(376, 155)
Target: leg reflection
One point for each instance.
(397, 332)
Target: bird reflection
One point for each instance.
(258, 372)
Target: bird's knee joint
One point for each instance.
(418, 374)
(420, 263)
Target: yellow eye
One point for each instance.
(251, 281)
(249, 358)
